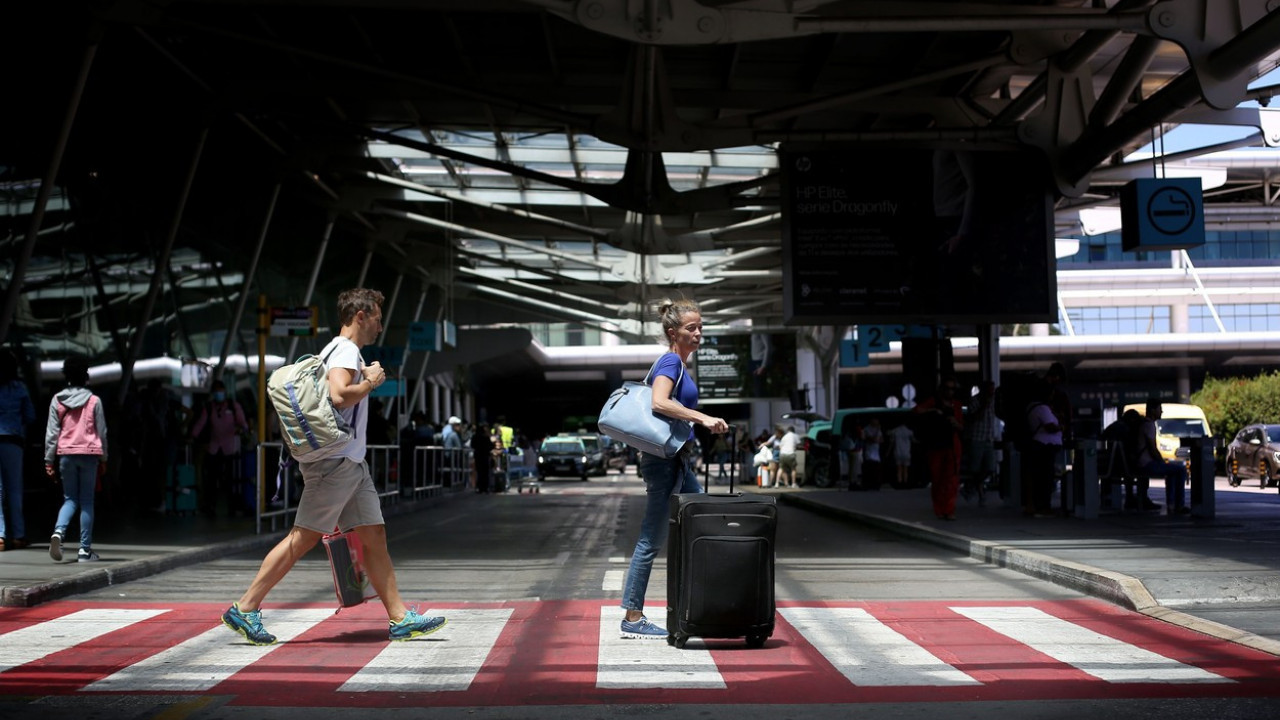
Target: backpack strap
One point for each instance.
(355, 412)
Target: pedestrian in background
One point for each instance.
(980, 442)
(75, 438)
(1039, 471)
(942, 421)
(226, 421)
(675, 395)
(787, 457)
(16, 414)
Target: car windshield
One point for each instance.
(591, 444)
(564, 446)
(1182, 427)
(1273, 434)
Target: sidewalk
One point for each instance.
(1150, 562)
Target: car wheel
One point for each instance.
(1264, 474)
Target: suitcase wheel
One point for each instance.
(679, 640)
(756, 641)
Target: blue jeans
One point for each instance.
(1175, 480)
(79, 480)
(662, 479)
(11, 492)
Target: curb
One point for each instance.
(98, 578)
(1117, 588)
(101, 577)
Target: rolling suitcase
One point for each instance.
(720, 567)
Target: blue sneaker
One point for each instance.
(414, 625)
(248, 624)
(642, 629)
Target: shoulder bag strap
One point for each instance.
(655, 367)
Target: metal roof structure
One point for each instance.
(523, 161)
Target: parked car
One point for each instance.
(1254, 453)
(562, 455)
(595, 448)
(616, 454)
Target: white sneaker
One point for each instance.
(55, 547)
(86, 556)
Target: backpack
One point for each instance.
(311, 428)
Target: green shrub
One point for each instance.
(1231, 403)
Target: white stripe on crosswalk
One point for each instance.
(208, 658)
(650, 663)
(1098, 655)
(868, 652)
(31, 643)
(613, 580)
(447, 660)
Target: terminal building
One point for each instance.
(525, 180)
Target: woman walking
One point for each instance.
(76, 437)
(675, 395)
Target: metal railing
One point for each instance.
(399, 473)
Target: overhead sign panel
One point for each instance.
(916, 235)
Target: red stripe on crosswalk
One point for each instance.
(548, 653)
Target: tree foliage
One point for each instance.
(1231, 403)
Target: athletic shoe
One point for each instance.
(86, 556)
(414, 625)
(642, 629)
(248, 624)
(55, 546)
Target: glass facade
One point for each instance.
(1222, 248)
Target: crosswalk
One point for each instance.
(569, 652)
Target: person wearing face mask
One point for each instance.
(226, 421)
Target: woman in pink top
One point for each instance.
(226, 421)
(76, 437)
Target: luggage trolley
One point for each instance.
(524, 472)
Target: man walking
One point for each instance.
(338, 490)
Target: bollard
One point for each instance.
(1202, 478)
(1011, 476)
(1084, 471)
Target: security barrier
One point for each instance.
(433, 470)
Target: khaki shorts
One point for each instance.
(787, 462)
(337, 492)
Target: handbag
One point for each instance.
(628, 416)
(346, 559)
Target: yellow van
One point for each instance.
(1177, 421)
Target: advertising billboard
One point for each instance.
(929, 235)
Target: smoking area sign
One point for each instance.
(1162, 214)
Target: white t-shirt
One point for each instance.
(347, 355)
(787, 446)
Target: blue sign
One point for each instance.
(1162, 214)
(391, 356)
(424, 336)
(853, 354)
(391, 387)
